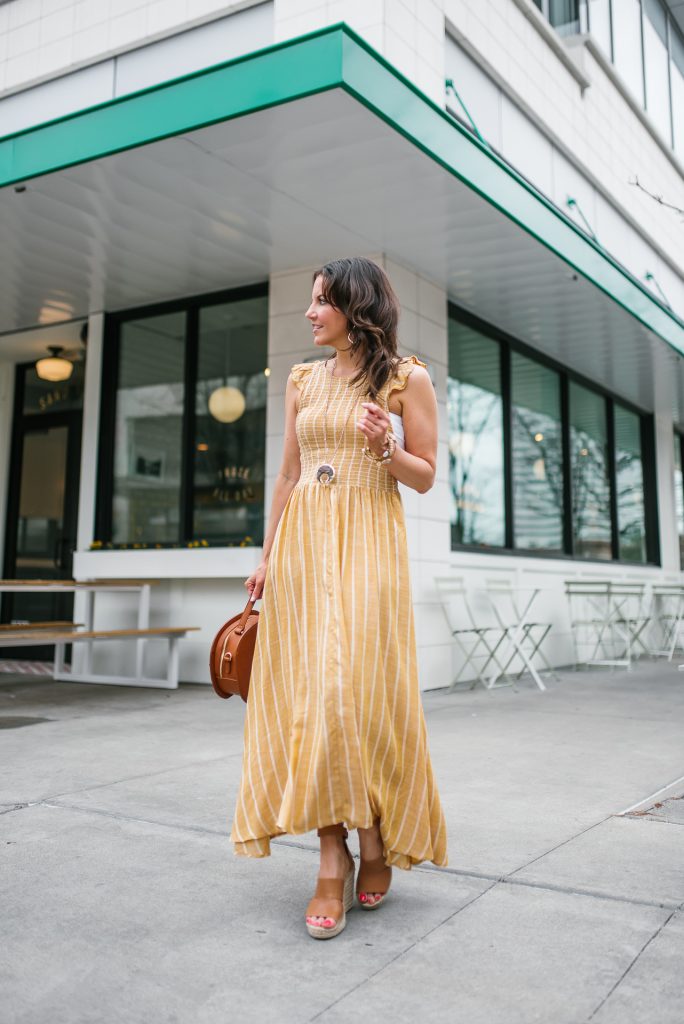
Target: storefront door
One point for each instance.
(43, 501)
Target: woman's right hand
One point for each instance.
(255, 583)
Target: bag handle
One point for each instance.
(245, 615)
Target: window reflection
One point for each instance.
(627, 45)
(677, 85)
(590, 479)
(655, 63)
(599, 24)
(476, 477)
(537, 456)
(679, 494)
(231, 422)
(148, 430)
(629, 479)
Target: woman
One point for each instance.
(334, 726)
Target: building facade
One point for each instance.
(172, 172)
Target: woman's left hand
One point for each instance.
(375, 424)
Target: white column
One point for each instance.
(90, 433)
(7, 372)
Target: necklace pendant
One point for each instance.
(325, 473)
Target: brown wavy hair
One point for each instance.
(361, 290)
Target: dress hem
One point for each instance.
(260, 847)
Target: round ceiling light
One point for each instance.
(226, 404)
(54, 367)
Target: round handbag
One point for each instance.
(232, 650)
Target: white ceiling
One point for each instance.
(289, 187)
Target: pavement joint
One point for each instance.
(402, 952)
(629, 967)
(505, 879)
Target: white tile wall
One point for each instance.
(141, 66)
(599, 127)
(89, 29)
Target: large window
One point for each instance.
(646, 45)
(679, 493)
(590, 483)
(629, 485)
(476, 438)
(537, 471)
(539, 461)
(183, 425)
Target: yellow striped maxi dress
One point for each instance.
(334, 728)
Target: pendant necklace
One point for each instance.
(326, 472)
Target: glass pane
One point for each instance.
(590, 480)
(43, 550)
(564, 16)
(49, 396)
(679, 495)
(629, 480)
(148, 430)
(627, 45)
(475, 416)
(677, 82)
(231, 423)
(599, 24)
(537, 456)
(655, 57)
(41, 503)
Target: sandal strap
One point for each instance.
(327, 900)
(374, 875)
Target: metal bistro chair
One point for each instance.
(608, 619)
(474, 642)
(667, 615)
(512, 606)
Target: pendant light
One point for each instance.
(226, 404)
(54, 367)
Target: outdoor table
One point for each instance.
(608, 602)
(90, 588)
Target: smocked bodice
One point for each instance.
(338, 440)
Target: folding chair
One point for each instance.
(667, 614)
(474, 642)
(512, 605)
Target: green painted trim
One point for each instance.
(333, 57)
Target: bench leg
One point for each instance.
(172, 675)
(58, 667)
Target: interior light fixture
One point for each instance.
(226, 404)
(54, 367)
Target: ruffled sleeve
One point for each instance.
(300, 373)
(404, 371)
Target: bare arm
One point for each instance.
(288, 475)
(416, 466)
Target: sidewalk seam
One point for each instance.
(403, 952)
(506, 879)
(632, 963)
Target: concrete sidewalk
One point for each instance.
(123, 900)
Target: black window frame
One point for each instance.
(507, 344)
(191, 306)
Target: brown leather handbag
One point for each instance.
(232, 650)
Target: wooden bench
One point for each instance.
(23, 636)
(21, 627)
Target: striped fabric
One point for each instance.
(334, 725)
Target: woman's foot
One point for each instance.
(336, 863)
(371, 848)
